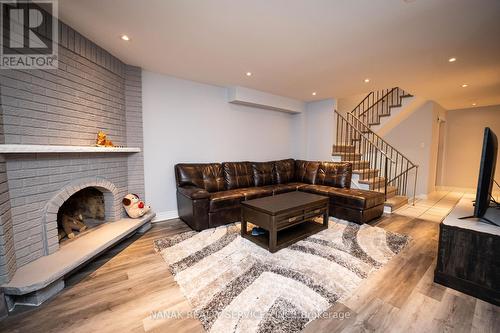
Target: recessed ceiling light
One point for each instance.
(248, 73)
(474, 104)
(367, 80)
(465, 85)
(125, 37)
(452, 59)
(314, 93)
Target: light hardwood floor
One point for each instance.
(119, 291)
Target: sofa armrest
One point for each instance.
(193, 192)
(193, 206)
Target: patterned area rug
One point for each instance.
(236, 286)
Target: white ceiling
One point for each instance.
(295, 47)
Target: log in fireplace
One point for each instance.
(81, 212)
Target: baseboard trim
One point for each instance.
(455, 189)
(166, 215)
(468, 190)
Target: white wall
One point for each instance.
(320, 129)
(416, 137)
(464, 140)
(314, 131)
(347, 104)
(185, 121)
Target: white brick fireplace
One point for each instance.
(48, 125)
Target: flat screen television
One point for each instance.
(486, 176)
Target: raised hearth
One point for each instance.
(39, 280)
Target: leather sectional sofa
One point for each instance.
(209, 194)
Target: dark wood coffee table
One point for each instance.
(287, 217)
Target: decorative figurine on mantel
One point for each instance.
(102, 140)
(134, 206)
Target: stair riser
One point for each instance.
(401, 204)
(391, 194)
(366, 174)
(391, 208)
(355, 164)
(346, 157)
(371, 186)
(343, 149)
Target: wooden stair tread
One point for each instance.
(374, 180)
(396, 201)
(343, 148)
(359, 164)
(391, 190)
(360, 171)
(343, 145)
(366, 173)
(395, 105)
(348, 155)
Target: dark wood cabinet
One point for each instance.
(469, 261)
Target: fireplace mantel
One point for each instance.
(34, 149)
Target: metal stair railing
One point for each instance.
(371, 152)
(377, 104)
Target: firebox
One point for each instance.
(80, 213)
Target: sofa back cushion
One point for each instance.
(208, 176)
(284, 171)
(306, 171)
(238, 174)
(336, 174)
(263, 173)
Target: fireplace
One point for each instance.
(48, 160)
(96, 203)
(87, 202)
(80, 213)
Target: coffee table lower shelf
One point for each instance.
(286, 236)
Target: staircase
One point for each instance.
(376, 164)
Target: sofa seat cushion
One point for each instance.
(290, 187)
(317, 189)
(351, 198)
(256, 192)
(225, 199)
(354, 198)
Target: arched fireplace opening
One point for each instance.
(81, 212)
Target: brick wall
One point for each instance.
(133, 108)
(7, 252)
(90, 91)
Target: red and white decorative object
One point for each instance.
(134, 206)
